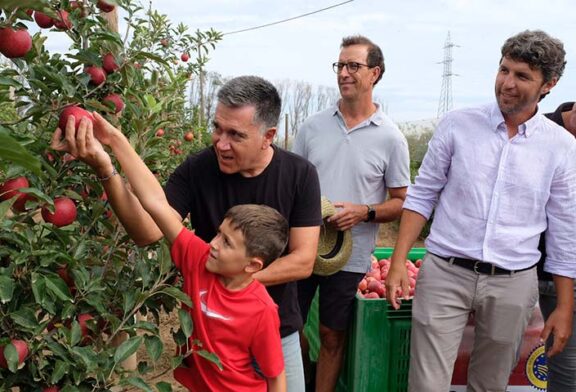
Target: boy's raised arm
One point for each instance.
(144, 184)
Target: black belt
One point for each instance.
(480, 267)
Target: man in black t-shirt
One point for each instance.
(242, 166)
(562, 366)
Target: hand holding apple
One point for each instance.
(82, 143)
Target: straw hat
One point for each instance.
(334, 246)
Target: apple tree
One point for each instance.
(77, 297)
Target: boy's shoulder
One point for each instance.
(261, 296)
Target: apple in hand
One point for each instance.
(75, 111)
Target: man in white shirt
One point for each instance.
(497, 176)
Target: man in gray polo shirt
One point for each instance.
(361, 158)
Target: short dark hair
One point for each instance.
(264, 229)
(375, 56)
(539, 50)
(253, 91)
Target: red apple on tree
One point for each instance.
(64, 212)
(115, 100)
(97, 75)
(189, 136)
(63, 22)
(11, 188)
(14, 43)
(78, 5)
(104, 6)
(21, 348)
(43, 20)
(185, 57)
(109, 63)
(160, 132)
(75, 111)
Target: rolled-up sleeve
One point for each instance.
(432, 176)
(561, 215)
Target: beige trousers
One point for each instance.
(445, 296)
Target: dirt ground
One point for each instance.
(386, 238)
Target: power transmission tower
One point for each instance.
(445, 102)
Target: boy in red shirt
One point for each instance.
(233, 315)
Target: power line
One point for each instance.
(289, 19)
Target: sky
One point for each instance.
(411, 34)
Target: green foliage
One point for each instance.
(51, 278)
(418, 145)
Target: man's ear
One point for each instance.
(269, 135)
(254, 265)
(546, 87)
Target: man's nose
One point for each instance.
(222, 143)
(509, 81)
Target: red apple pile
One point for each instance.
(372, 286)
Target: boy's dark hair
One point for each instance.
(375, 57)
(265, 231)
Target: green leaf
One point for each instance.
(11, 356)
(5, 207)
(60, 370)
(177, 294)
(75, 333)
(34, 4)
(164, 258)
(127, 348)
(13, 151)
(185, 322)
(6, 289)
(138, 383)
(211, 357)
(58, 287)
(154, 346)
(9, 82)
(25, 317)
(163, 386)
(88, 356)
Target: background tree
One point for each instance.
(71, 281)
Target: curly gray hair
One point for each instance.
(539, 51)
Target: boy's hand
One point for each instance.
(80, 143)
(103, 130)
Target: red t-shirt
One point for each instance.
(237, 326)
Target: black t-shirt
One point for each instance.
(557, 118)
(289, 184)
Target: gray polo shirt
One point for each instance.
(356, 165)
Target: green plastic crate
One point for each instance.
(378, 350)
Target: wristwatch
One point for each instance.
(371, 213)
